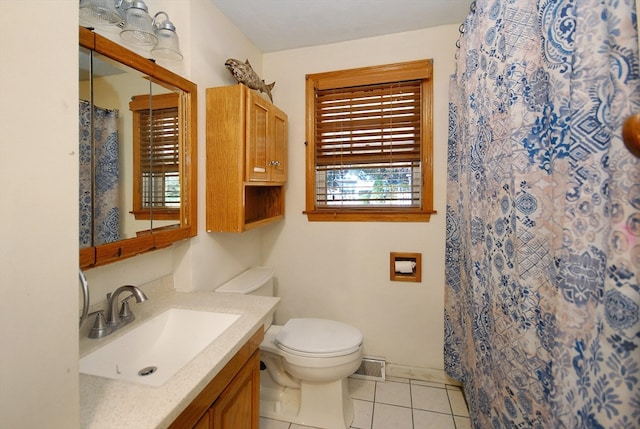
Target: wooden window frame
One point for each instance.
(139, 105)
(399, 72)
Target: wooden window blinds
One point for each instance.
(156, 156)
(369, 143)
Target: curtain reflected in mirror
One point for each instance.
(99, 169)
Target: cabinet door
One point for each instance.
(204, 422)
(258, 136)
(238, 405)
(278, 162)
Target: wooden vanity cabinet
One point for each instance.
(232, 399)
(247, 139)
(238, 406)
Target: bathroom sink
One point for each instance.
(151, 353)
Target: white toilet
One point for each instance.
(307, 363)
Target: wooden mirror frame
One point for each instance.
(162, 237)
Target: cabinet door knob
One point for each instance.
(274, 163)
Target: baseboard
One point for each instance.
(423, 374)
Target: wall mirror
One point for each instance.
(137, 152)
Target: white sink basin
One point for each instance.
(160, 346)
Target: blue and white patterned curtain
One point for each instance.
(542, 320)
(99, 191)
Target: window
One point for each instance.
(156, 157)
(369, 144)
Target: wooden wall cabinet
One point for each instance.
(247, 139)
(232, 399)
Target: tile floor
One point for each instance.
(400, 403)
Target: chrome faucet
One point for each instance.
(115, 319)
(113, 316)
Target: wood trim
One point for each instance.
(87, 256)
(145, 241)
(162, 214)
(427, 144)
(87, 38)
(199, 406)
(355, 216)
(167, 237)
(189, 153)
(415, 276)
(122, 55)
(160, 101)
(111, 252)
(420, 69)
(310, 148)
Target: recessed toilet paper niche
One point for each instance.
(405, 267)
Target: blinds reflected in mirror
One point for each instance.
(156, 156)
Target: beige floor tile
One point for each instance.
(430, 399)
(462, 422)
(393, 393)
(362, 389)
(458, 404)
(391, 417)
(362, 414)
(430, 420)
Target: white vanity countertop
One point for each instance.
(113, 404)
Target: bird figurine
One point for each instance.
(244, 73)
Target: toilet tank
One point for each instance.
(254, 281)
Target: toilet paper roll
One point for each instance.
(405, 267)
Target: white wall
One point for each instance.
(341, 270)
(38, 214)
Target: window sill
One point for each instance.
(368, 216)
(158, 214)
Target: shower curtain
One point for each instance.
(99, 191)
(542, 320)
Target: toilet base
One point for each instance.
(325, 406)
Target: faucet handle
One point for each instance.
(125, 311)
(100, 328)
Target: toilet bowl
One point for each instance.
(307, 362)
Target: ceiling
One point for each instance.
(277, 25)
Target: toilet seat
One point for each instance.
(310, 337)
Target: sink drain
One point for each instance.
(147, 371)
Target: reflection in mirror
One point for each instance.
(136, 154)
(156, 156)
(129, 171)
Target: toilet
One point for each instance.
(307, 362)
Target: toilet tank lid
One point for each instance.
(247, 281)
